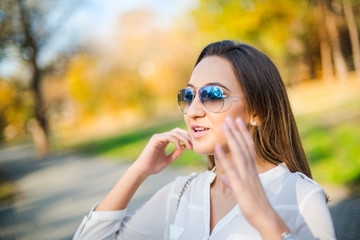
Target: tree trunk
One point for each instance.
(40, 131)
(325, 49)
(326, 62)
(354, 35)
(339, 60)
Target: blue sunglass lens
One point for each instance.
(210, 93)
(188, 95)
(210, 96)
(185, 97)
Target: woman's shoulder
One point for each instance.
(304, 184)
(296, 179)
(300, 186)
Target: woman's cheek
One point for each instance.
(220, 138)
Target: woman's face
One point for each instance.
(205, 126)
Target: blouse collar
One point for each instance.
(264, 177)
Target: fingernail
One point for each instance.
(240, 121)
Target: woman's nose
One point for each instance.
(196, 109)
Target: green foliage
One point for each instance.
(332, 143)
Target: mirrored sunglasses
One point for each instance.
(211, 97)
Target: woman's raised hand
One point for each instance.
(242, 178)
(153, 158)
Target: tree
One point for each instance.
(354, 34)
(328, 24)
(277, 27)
(319, 9)
(24, 27)
(332, 28)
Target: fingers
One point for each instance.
(232, 174)
(238, 133)
(247, 137)
(183, 136)
(175, 154)
(234, 147)
(241, 145)
(175, 141)
(176, 136)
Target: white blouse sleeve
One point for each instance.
(100, 225)
(315, 221)
(148, 222)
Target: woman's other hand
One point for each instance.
(154, 159)
(241, 176)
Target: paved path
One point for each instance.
(57, 192)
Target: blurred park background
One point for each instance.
(98, 78)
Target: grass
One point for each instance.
(332, 143)
(331, 139)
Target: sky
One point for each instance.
(96, 20)
(100, 16)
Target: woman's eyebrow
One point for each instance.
(190, 85)
(211, 84)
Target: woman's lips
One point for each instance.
(198, 132)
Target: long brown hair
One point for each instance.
(276, 137)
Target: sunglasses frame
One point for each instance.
(195, 91)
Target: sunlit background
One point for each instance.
(99, 77)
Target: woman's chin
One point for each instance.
(202, 150)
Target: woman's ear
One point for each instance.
(254, 120)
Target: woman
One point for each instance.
(259, 187)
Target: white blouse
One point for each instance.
(298, 200)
